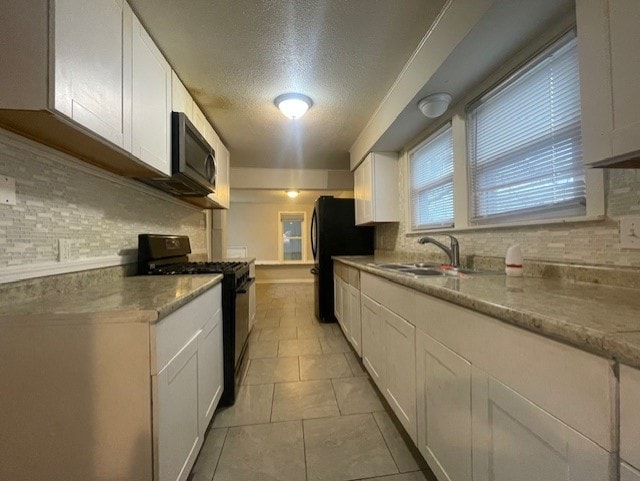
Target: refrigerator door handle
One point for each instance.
(314, 234)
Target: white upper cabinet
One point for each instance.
(199, 120)
(608, 42)
(67, 80)
(92, 66)
(376, 189)
(151, 102)
(220, 196)
(222, 185)
(181, 101)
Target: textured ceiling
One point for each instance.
(236, 56)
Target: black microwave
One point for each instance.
(193, 162)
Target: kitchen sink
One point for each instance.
(424, 271)
(427, 269)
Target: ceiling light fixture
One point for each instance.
(433, 106)
(293, 105)
(292, 194)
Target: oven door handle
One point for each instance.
(245, 287)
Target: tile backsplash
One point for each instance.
(60, 197)
(589, 243)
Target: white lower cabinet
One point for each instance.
(187, 353)
(487, 401)
(399, 339)
(627, 473)
(355, 319)
(176, 414)
(337, 298)
(513, 439)
(210, 372)
(443, 385)
(629, 423)
(345, 320)
(372, 339)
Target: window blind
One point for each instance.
(431, 181)
(525, 144)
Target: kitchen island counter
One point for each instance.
(601, 319)
(119, 299)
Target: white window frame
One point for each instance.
(303, 237)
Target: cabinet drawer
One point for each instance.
(575, 386)
(398, 299)
(630, 415)
(170, 334)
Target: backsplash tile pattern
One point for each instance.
(591, 243)
(61, 197)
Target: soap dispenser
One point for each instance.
(513, 261)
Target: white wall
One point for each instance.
(256, 227)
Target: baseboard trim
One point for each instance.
(284, 281)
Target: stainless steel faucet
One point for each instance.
(453, 252)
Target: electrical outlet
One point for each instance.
(64, 250)
(7, 190)
(630, 232)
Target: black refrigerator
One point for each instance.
(334, 233)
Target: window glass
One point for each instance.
(292, 238)
(525, 144)
(431, 181)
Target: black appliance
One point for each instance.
(334, 233)
(167, 255)
(193, 162)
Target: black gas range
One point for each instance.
(168, 255)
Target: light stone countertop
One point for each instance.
(117, 300)
(601, 319)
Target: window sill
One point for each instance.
(511, 225)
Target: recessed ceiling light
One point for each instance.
(293, 105)
(293, 194)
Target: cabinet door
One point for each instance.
(400, 369)
(345, 322)
(358, 186)
(627, 473)
(609, 72)
(176, 423)
(337, 298)
(515, 439)
(92, 66)
(372, 339)
(210, 380)
(367, 190)
(151, 102)
(181, 101)
(630, 415)
(355, 330)
(222, 186)
(199, 120)
(443, 385)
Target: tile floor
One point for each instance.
(307, 410)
